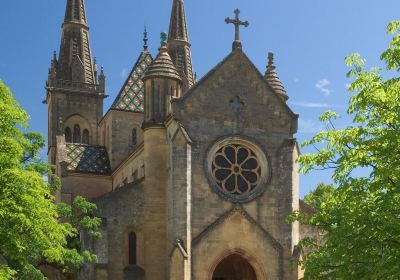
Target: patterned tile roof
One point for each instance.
(131, 96)
(88, 159)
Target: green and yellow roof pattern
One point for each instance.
(131, 96)
(87, 159)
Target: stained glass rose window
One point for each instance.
(237, 169)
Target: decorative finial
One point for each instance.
(54, 55)
(145, 40)
(237, 44)
(95, 69)
(164, 38)
(271, 60)
(102, 80)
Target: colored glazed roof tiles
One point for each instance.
(87, 159)
(131, 96)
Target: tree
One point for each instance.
(360, 216)
(31, 231)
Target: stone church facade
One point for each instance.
(192, 179)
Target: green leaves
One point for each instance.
(393, 27)
(360, 215)
(33, 229)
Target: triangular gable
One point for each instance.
(237, 208)
(236, 52)
(131, 95)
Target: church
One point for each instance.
(193, 179)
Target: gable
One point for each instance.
(236, 80)
(264, 253)
(131, 95)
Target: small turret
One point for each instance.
(273, 79)
(162, 83)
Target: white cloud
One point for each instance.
(323, 86)
(315, 105)
(309, 126)
(124, 73)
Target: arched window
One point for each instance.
(134, 137)
(132, 248)
(77, 134)
(85, 136)
(68, 135)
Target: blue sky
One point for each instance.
(310, 39)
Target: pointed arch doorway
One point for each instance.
(234, 267)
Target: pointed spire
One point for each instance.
(75, 12)
(75, 58)
(273, 79)
(178, 28)
(178, 44)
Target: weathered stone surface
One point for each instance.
(163, 187)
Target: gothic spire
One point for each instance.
(75, 60)
(178, 44)
(273, 79)
(75, 12)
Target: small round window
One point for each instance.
(237, 169)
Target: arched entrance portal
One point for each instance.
(234, 267)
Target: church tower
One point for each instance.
(179, 46)
(75, 91)
(162, 84)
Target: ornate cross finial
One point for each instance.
(271, 65)
(237, 22)
(145, 40)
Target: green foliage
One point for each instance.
(360, 216)
(6, 273)
(317, 197)
(31, 233)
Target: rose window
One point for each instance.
(236, 169)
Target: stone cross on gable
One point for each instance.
(237, 22)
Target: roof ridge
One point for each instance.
(219, 65)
